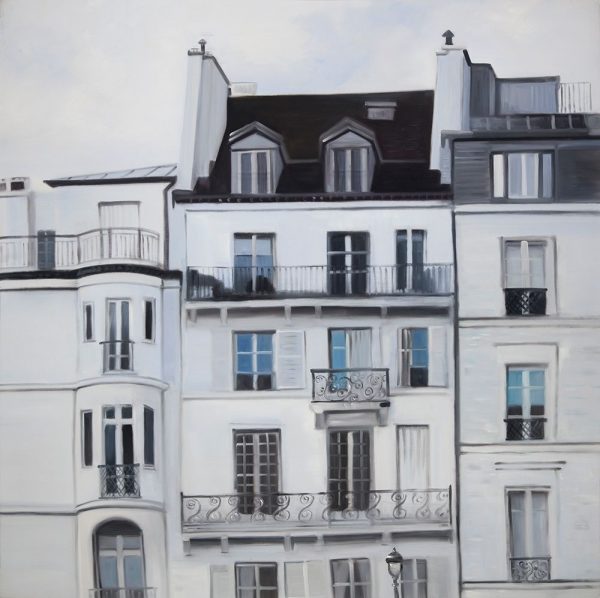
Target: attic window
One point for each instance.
(17, 185)
(380, 110)
(252, 172)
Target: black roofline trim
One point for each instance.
(187, 197)
(124, 181)
(92, 270)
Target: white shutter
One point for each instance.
(413, 457)
(306, 580)
(403, 356)
(222, 581)
(222, 359)
(290, 359)
(438, 356)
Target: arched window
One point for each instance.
(119, 560)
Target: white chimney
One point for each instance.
(204, 119)
(451, 100)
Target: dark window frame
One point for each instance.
(540, 196)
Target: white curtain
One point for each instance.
(359, 345)
(413, 457)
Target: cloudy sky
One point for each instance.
(92, 85)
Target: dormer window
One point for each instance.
(257, 159)
(254, 172)
(350, 151)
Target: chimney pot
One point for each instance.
(448, 35)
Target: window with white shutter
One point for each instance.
(222, 581)
(221, 360)
(423, 355)
(438, 369)
(290, 359)
(306, 579)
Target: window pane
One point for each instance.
(244, 364)
(356, 169)
(419, 338)
(264, 246)
(264, 363)
(109, 412)
(126, 412)
(245, 576)
(264, 342)
(362, 571)
(339, 167)
(127, 441)
(134, 571)
(148, 436)
(108, 572)
(132, 542)
(539, 538)
(547, 176)
(516, 506)
(536, 265)
(148, 320)
(242, 245)
(515, 175)
(340, 571)
(89, 329)
(337, 242)
(262, 182)
(246, 172)
(110, 455)
(498, 168)
(531, 164)
(244, 343)
(87, 438)
(268, 576)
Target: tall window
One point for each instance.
(349, 475)
(149, 319)
(529, 549)
(347, 261)
(415, 357)
(256, 580)
(523, 175)
(118, 474)
(414, 578)
(87, 447)
(410, 254)
(118, 353)
(351, 578)
(88, 322)
(524, 264)
(413, 457)
(148, 436)
(525, 403)
(254, 172)
(119, 559)
(350, 169)
(349, 348)
(254, 361)
(253, 263)
(257, 470)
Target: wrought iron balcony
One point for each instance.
(518, 428)
(525, 302)
(354, 384)
(119, 481)
(123, 593)
(313, 281)
(49, 251)
(530, 570)
(117, 355)
(316, 509)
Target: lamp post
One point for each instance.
(394, 562)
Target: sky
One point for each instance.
(94, 85)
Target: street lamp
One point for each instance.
(394, 562)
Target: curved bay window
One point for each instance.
(119, 561)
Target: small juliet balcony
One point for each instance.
(117, 355)
(49, 251)
(519, 428)
(354, 384)
(122, 593)
(119, 481)
(530, 570)
(231, 283)
(283, 510)
(525, 301)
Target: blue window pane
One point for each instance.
(514, 397)
(244, 343)
(108, 572)
(536, 378)
(134, 573)
(419, 338)
(515, 377)
(244, 364)
(419, 344)
(242, 261)
(264, 363)
(338, 339)
(264, 342)
(420, 359)
(536, 396)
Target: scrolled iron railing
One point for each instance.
(205, 283)
(119, 481)
(353, 384)
(316, 509)
(532, 570)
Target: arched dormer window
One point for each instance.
(350, 153)
(257, 158)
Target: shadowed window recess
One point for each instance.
(253, 263)
(410, 254)
(347, 261)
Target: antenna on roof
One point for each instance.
(448, 35)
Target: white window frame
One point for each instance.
(254, 354)
(525, 261)
(256, 588)
(92, 319)
(118, 422)
(501, 175)
(237, 180)
(525, 394)
(529, 520)
(364, 168)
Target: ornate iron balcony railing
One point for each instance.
(314, 281)
(49, 251)
(518, 428)
(525, 302)
(354, 384)
(316, 509)
(119, 481)
(123, 593)
(533, 569)
(117, 355)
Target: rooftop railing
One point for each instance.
(352, 384)
(206, 283)
(574, 97)
(316, 509)
(49, 251)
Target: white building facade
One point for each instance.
(525, 186)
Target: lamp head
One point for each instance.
(394, 562)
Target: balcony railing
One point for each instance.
(518, 428)
(525, 302)
(48, 251)
(353, 384)
(123, 593)
(316, 509)
(119, 481)
(530, 570)
(117, 355)
(574, 97)
(312, 281)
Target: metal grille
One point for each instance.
(119, 480)
(530, 570)
(123, 593)
(525, 428)
(525, 302)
